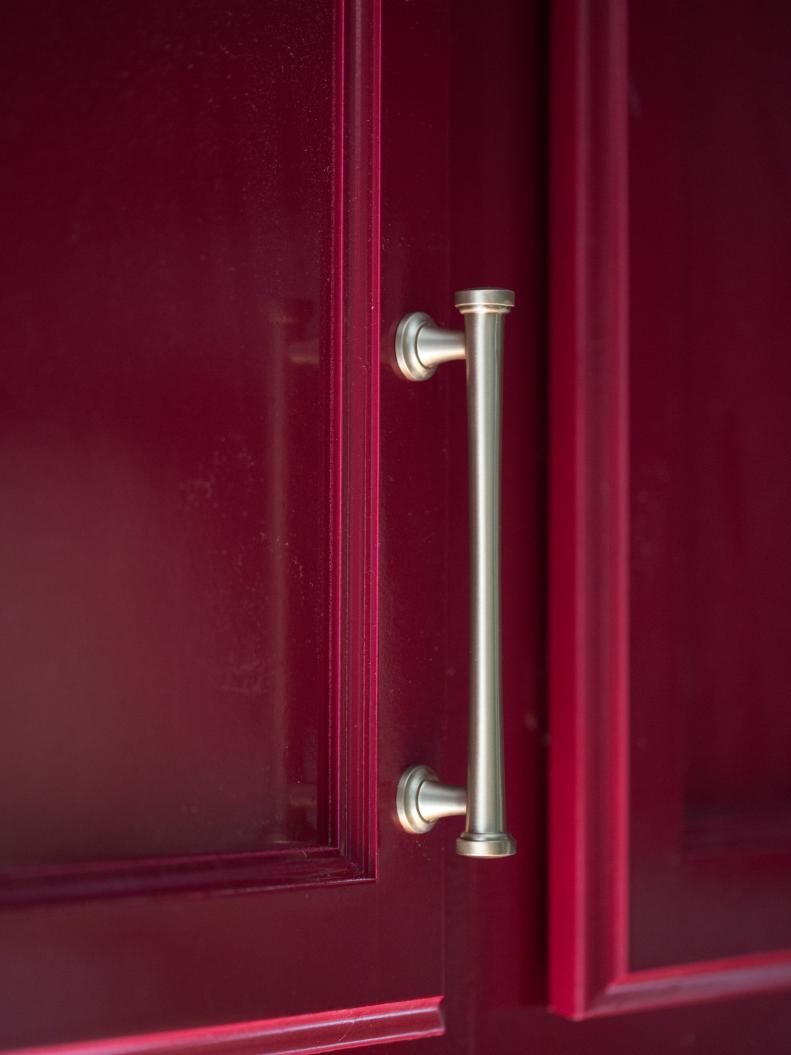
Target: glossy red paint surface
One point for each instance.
(437, 136)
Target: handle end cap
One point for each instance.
(496, 844)
(499, 301)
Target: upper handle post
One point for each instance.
(420, 347)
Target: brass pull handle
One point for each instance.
(421, 347)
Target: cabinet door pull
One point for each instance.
(421, 347)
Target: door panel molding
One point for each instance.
(591, 888)
(588, 529)
(694, 983)
(338, 1030)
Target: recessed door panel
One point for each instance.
(166, 456)
(710, 488)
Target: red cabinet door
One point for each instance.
(233, 539)
(670, 872)
(196, 830)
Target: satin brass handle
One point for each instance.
(421, 347)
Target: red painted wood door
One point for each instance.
(670, 865)
(233, 540)
(197, 827)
